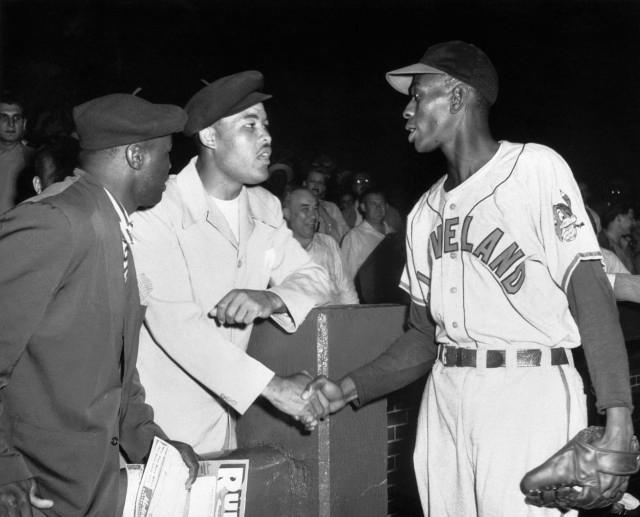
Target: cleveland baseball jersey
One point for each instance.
(492, 257)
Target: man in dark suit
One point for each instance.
(70, 315)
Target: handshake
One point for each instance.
(309, 400)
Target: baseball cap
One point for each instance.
(460, 60)
(222, 98)
(122, 119)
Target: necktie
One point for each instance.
(126, 240)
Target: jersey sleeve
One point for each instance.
(560, 216)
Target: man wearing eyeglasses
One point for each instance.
(14, 153)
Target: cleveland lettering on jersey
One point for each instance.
(447, 239)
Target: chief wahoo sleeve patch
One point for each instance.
(565, 221)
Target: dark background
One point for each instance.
(568, 69)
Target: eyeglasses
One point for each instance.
(362, 180)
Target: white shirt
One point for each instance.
(331, 221)
(229, 209)
(123, 217)
(325, 252)
(358, 244)
(613, 265)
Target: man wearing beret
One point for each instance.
(214, 255)
(70, 314)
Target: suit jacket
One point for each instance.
(70, 396)
(188, 258)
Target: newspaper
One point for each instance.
(134, 477)
(219, 491)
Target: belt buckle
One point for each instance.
(529, 357)
(449, 355)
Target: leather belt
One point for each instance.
(456, 356)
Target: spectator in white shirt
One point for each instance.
(330, 219)
(363, 239)
(301, 213)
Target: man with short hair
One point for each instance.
(361, 183)
(70, 314)
(331, 221)
(505, 278)
(53, 162)
(14, 152)
(301, 213)
(360, 241)
(215, 255)
(348, 207)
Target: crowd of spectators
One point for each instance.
(350, 207)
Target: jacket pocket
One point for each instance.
(67, 464)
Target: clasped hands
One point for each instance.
(305, 399)
(244, 306)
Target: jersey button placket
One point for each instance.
(455, 271)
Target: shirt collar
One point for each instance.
(123, 217)
(197, 204)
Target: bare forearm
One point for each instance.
(626, 287)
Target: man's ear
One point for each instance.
(37, 184)
(286, 213)
(361, 207)
(458, 98)
(207, 137)
(135, 155)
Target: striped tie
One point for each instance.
(125, 249)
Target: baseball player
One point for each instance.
(505, 278)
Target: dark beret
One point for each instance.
(222, 98)
(121, 119)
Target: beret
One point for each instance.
(222, 98)
(121, 119)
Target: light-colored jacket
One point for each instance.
(188, 258)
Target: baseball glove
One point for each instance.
(580, 475)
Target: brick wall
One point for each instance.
(402, 415)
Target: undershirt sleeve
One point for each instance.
(407, 359)
(593, 306)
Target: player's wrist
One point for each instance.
(619, 426)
